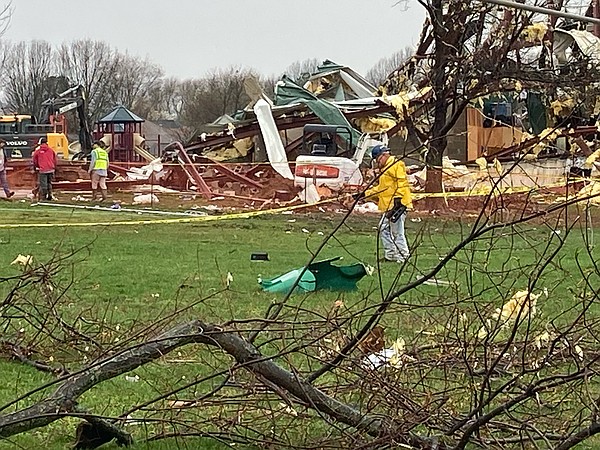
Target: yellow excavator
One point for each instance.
(22, 133)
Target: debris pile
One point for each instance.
(307, 144)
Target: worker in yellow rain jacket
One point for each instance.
(394, 198)
(99, 169)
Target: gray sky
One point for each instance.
(190, 37)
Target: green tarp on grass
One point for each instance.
(320, 275)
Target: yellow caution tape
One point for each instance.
(191, 219)
(249, 214)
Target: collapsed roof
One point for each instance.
(337, 83)
(334, 95)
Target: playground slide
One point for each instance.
(138, 147)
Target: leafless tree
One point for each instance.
(385, 66)
(28, 73)
(226, 89)
(135, 83)
(93, 65)
(467, 51)
(6, 12)
(220, 92)
(268, 84)
(171, 100)
(299, 71)
(162, 101)
(192, 113)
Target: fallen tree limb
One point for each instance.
(579, 437)
(64, 399)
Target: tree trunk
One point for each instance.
(434, 169)
(434, 174)
(437, 144)
(437, 138)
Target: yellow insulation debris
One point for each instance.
(563, 106)
(590, 160)
(546, 137)
(535, 32)
(550, 134)
(374, 124)
(402, 100)
(521, 306)
(498, 166)
(523, 303)
(482, 163)
(589, 190)
(518, 86)
(239, 149)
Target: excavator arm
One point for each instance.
(69, 100)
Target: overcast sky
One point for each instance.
(190, 37)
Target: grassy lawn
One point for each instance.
(137, 274)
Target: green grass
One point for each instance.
(134, 275)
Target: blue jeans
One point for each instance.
(4, 181)
(45, 180)
(392, 237)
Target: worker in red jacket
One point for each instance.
(44, 162)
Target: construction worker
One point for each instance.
(394, 198)
(44, 162)
(99, 169)
(3, 179)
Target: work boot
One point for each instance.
(387, 260)
(104, 194)
(94, 195)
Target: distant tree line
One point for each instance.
(34, 71)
